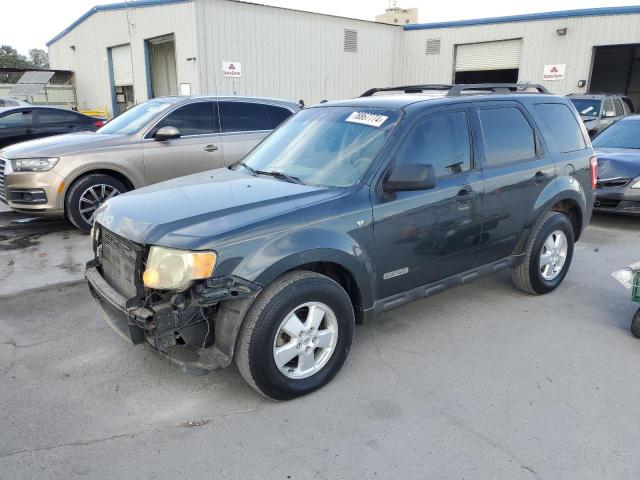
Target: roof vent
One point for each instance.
(433, 46)
(350, 40)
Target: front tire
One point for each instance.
(547, 257)
(87, 194)
(296, 335)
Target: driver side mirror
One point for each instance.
(410, 177)
(609, 114)
(167, 133)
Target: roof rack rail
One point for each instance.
(408, 89)
(460, 89)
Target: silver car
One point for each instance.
(156, 140)
(599, 110)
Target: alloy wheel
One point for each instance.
(305, 340)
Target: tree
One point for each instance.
(10, 58)
(38, 58)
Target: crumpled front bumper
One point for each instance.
(198, 355)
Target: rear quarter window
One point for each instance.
(562, 125)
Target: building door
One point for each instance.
(162, 60)
(616, 69)
(122, 78)
(488, 62)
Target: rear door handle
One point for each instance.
(210, 148)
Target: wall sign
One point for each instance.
(554, 72)
(232, 69)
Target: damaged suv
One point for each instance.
(348, 209)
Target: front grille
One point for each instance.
(604, 203)
(613, 182)
(119, 258)
(3, 195)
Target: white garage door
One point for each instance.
(121, 64)
(501, 55)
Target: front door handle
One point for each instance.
(210, 148)
(540, 177)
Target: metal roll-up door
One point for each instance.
(501, 55)
(122, 67)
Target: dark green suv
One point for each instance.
(348, 209)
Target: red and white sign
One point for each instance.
(554, 72)
(232, 69)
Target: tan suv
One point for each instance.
(156, 140)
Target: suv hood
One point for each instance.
(192, 212)
(63, 144)
(618, 162)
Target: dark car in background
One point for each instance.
(618, 151)
(28, 122)
(599, 110)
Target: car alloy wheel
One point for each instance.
(553, 255)
(305, 340)
(92, 198)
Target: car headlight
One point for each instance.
(170, 269)
(636, 184)
(40, 164)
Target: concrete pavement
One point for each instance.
(480, 382)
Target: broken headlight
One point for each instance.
(171, 269)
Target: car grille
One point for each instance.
(3, 195)
(119, 258)
(605, 203)
(613, 182)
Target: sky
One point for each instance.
(44, 19)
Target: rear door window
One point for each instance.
(277, 115)
(508, 136)
(48, 116)
(22, 118)
(243, 117)
(191, 119)
(441, 141)
(562, 125)
(617, 107)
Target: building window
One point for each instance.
(350, 40)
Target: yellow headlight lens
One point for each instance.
(170, 269)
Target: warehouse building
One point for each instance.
(125, 53)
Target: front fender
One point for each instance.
(263, 260)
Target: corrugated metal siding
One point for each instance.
(488, 55)
(541, 46)
(104, 29)
(290, 54)
(121, 65)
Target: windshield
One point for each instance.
(587, 107)
(624, 134)
(329, 146)
(137, 117)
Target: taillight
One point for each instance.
(98, 123)
(593, 168)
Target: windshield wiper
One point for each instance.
(240, 164)
(280, 175)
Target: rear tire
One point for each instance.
(272, 354)
(80, 197)
(635, 324)
(547, 257)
